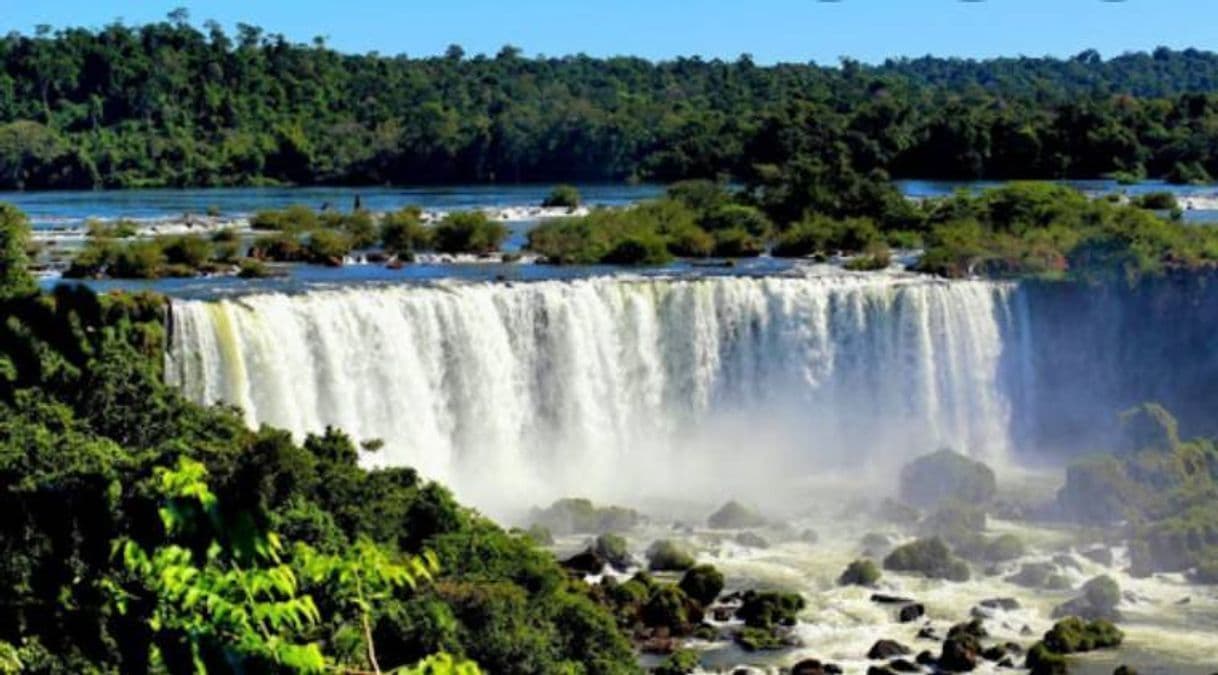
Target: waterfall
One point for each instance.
(517, 393)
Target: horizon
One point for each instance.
(838, 29)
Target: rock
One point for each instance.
(1041, 575)
(767, 609)
(1124, 670)
(862, 572)
(702, 584)
(962, 647)
(752, 540)
(1074, 635)
(927, 632)
(910, 613)
(946, 475)
(759, 639)
(614, 549)
(926, 658)
(904, 666)
(1004, 604)
(885, 599)
(580, 516)
(1100, 554)
(1067, 561)
(1099, 600)
(880, 670)
(814, 667)
(670, 608)
(587, 562)
(667, 555)
(897, 513)
(722, 614)
(930, 557)
(887, 649)
(734, 516)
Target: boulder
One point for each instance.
(1099, 600)
(887, 649)
(904, 666)
(665, 555)
(752, 540)
(885, 599)
(962, 647)
(614, 549)
(581, 516)
(862, 572)
(1004, 604)
(767, 609)
(587, 562)
(911, 613)
(735, 516)
(702, 584)
(1041, 575)
(929, 557)
(814, 667)
(1101, 555)
(946, 475)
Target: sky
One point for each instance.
(769, 30)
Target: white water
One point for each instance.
(616, 388)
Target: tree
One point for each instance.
(15, 279)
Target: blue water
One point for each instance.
(52, 209)
(305, 277)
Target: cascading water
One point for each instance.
(612, 387)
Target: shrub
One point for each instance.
(469, 232)
(191, 250)
(138, 260)
(737, 243)
(282, 247)
(252, 268)
(403, 232)
(640, 249)
(294, 218)
(562, 196)
(327, 247)
(680, 662)
(738, 217)
(614, 549)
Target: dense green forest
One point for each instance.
(174, 104)
(145, 534)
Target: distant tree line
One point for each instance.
(172, 104)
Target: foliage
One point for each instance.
(403, 232)
(468, 232)
(15, 280)
(562, 196)
(580, 516)
(767, 609)
(946, 476)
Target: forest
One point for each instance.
(175, 104)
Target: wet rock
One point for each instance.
(1004, 604)
(614, 550)
(1098, 601)
(578, 516)
(587, 562)
(897, 513)
(880, 670)
(1066, 561)
(752, 540)
(904, 666)
(1041, 575)
(926, 658)
(946, 475)
(1100, 554)
(930, 557)
(734, 516)
(722, 614)
(862, 572)
(912, 612)
(814, 667)
(668, 555)
(887, 649)
(927, 632)
(885, 599)
(702, 584)
(960, 653)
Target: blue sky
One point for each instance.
(770, 30)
